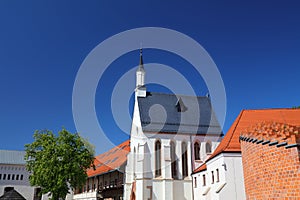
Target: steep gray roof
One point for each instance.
(177, 114)
(12, 195)
(12, 157)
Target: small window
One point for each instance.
(0, 176)
(21, 178)
(8, 177)
(197, 151)
(204, 180)
(208, 147)
(17, 177)
(218, 176)
(212, 177)
(13, 177)
(195, 182)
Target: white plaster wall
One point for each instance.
(141, 166)
(230, 174)
(21, 186)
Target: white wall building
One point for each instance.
(13, 175)
(221, 176)
(171, 135)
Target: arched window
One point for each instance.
(157, 158)
(184, 160)
(208, 147)
(197, 151)
(173, 160)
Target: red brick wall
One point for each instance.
(270, 172)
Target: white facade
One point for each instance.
(227, 171)
(13, 174)
(17, 177)
(141, 161)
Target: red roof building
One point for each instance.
(106, 180)
(220, 164)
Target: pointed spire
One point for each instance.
(141, 65)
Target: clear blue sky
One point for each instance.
(256, 46)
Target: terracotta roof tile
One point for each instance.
(201, 168)
(247, 118)
(110, 160)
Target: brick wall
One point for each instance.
(271, 172)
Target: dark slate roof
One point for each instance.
(12, 195)
(171, 113)
(12, 157)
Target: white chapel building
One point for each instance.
(171, 136)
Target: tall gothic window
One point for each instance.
(197, 151)
(208, 147)
(157, 158)
(184, 160)
(173, 160)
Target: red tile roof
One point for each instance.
(110, 160)
(201, 168)
(230, 142)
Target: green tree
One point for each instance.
(58, 163)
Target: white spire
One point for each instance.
(140, 77)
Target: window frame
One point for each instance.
(157, 147)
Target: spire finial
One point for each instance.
(141, 58)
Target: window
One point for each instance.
(204, 180)
(8, 177)
(173, 160)
(157, 158)
(4, 176)
(0, 176)
(17, 177)
(197, 151)
(195, 182)
(21, 178)
(212, 177)
(13, 177)
(218, 177)
(208, 147)
(184, 160)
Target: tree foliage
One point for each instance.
(58, 163)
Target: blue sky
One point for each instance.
(255, 46)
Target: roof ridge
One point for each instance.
(264, 109)
(12, 150)
(181, 95)
(240, 116)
